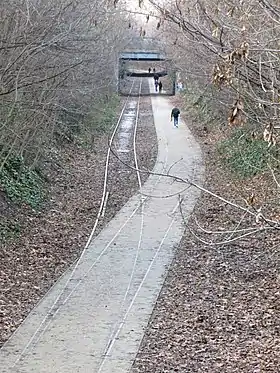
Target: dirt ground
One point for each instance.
(219, 308)
(51, 240)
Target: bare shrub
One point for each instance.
(56, 58)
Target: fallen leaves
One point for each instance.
(236, 116)
(52, 239)
(219, 308)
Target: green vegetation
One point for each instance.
(21, 184)
(246, 156)
(24, 185)
(98, 121)
(8, 230)
(201, 103)
(78, 128)
(102, 115)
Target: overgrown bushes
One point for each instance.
(246, 155)
(22, 184)
(57, 59)
(228, 51)
(200, 101)
(102, 115)
(242, 149)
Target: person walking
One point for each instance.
(156, 85)
(149, 70)
(160, 86)
(175, 115)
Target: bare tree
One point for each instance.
(57, 57)
(228, 52)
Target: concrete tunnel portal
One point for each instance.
(130, 57)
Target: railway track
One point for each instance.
(136, 86)
(98, 313)
(95, 322)
(131, 110)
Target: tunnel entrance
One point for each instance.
(146, 64)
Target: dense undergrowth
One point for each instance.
(246, 156)
(100, 118)
(242, 150)
(22, 184)
(25, 185)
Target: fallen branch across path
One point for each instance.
(263, 223)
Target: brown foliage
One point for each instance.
(236, 117)
(236, 43)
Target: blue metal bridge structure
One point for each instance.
(142, 56)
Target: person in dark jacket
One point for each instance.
(175, 115)
(160, 86)
(156, 85)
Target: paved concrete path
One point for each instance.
(98, 324)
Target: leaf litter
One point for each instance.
(52, 239)
(219, 308)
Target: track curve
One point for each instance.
(96, 323)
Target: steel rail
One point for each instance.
(55, 307)
(53, 310)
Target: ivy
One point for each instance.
(245, 156)
(22, 184)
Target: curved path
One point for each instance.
(98, 323)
